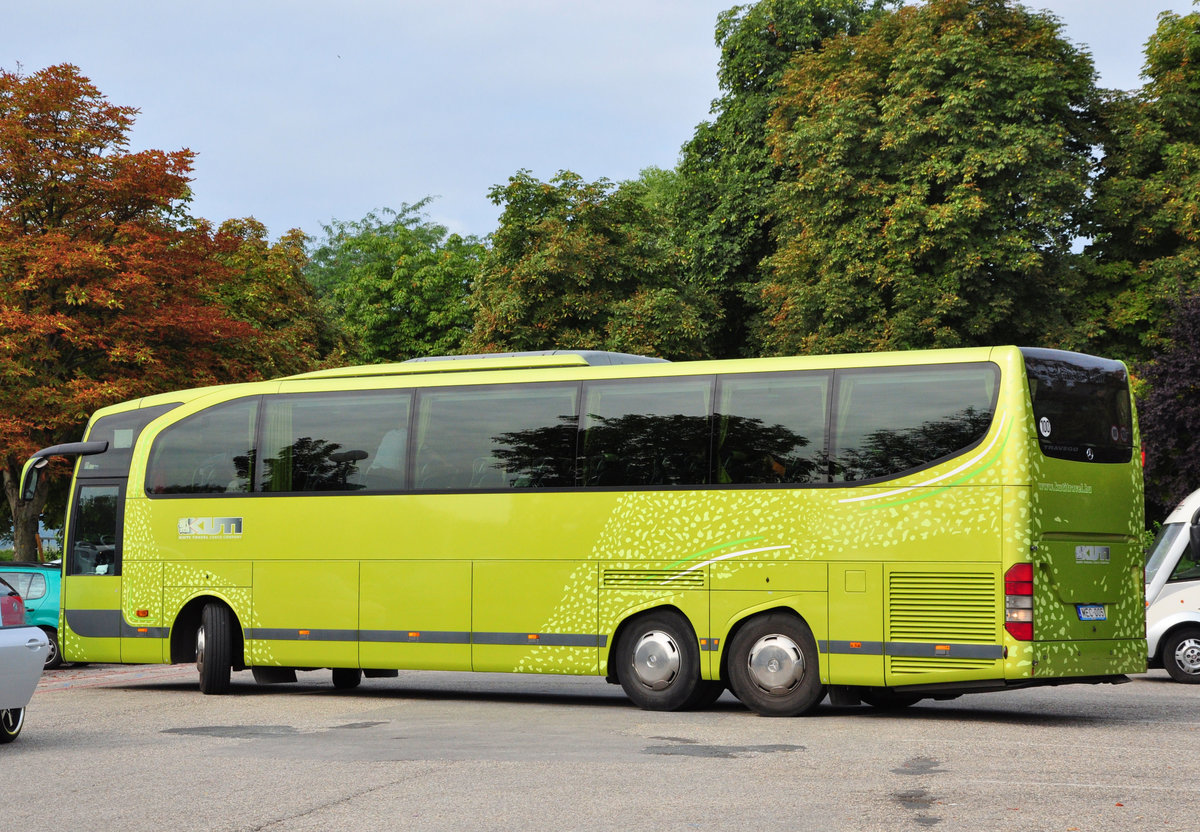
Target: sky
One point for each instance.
(302, 112)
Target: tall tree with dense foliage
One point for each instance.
(1147, 203)
(585, 265)
(265, 286)
(937, 165)
(106, 291)
(726, 173)
(1169, 412)
(397, 284)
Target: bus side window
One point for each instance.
(496, 437)
(209, 452)
(345, 441)
(771, 428)
(647, 432)
(891, 420)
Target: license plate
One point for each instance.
(1091, 612)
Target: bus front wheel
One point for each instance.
(658, 662)
(214, 648)
(773, 666)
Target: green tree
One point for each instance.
(586, 265)
(937, 167)
(397, 284)
(1146, 220)
(726, 173)
(265, 286)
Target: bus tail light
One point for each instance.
(1018, 601)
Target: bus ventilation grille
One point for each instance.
(955, 608)
(652, 579)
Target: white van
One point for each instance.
(1173, 594)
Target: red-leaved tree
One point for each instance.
(108, 291)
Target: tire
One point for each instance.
(658, 662)
(54, 657)
(214, 648)
(884, 699)
(1181, 655)
(346, 678)
(774, 666)
(11, 721)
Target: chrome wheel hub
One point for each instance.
(656, 660)
(1187, 656)
(776, 664)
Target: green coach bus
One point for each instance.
(882, 527)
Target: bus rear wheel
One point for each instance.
(11, 720)
(773, 666)
(1181, 656)
(658, 662)
(214, 648)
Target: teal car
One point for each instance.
(39, 585)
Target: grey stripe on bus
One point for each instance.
(94, 623)
(956, 651)
(853, 648)
(415, 637)
(909, 649)
(109, 624)
(427, 637)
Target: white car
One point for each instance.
(23, 650)
(1173, 594)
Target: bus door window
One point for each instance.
(94, 546)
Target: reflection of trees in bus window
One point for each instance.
(771, 428)
(886, 452)
(641, 450)
(313, 465)
(542, 457)
(206, 453)
(754, 453)
(492, 437)
(890, 420)
(347, 441)
(647, 432)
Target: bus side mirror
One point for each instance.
(31, 473)
(30, 476)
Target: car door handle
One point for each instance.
(33, 643)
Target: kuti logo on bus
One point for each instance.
(210, 527)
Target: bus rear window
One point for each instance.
(1081, 408)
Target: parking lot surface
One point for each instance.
(127, 747)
